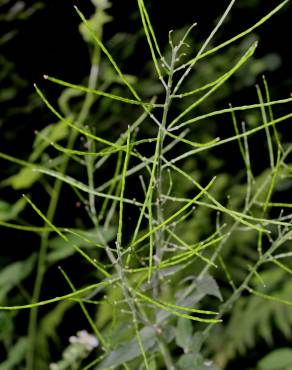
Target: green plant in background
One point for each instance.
(168, 254)
(11, 82)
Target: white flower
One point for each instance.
(88, 340)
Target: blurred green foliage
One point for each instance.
(250, 320)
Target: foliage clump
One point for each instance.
(178, 259)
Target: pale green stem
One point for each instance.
(159, 235)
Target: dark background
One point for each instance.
(49, 43)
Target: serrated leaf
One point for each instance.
(279, 359)
(184, 332)
(208, 286)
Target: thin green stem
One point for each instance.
(159, 234)
(41, 265)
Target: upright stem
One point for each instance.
(83, 114)
(159, 235)
(41, 263)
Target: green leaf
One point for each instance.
(14, 273)
(272, 279)
(106, 311)
(184, 334)
(86, 238)
(152, 365)
(54, 132)
(197, 341)
(24, 179)
(190, 361)
(50, 322)
(96, 22)
(208, 286)
(6, 325)
(129, 350)
(51, 133)
(10, 211)
(61, 248)
(16, 355)
(48, 331)
(208, 365)
(280, 359)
